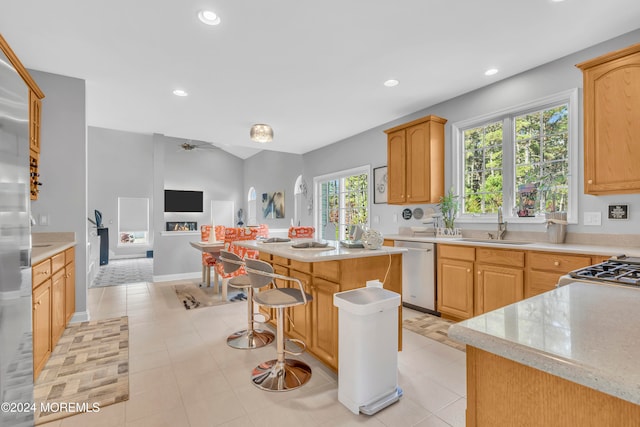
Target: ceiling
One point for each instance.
(314, 71)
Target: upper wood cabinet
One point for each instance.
(611, 125)
(415, 161)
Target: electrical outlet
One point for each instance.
(592, 218)
(44, 219)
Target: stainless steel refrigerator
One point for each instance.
(16, 354)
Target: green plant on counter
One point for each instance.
(449, 207)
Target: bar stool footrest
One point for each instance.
(299, 342)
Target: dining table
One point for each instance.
(212, 248)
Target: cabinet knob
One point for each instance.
(556, 263)
(590, 181)
(468, 270)
(479, 273)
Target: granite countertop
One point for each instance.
(45, 245)
(583, 332)
(332, 252)
(587, 249)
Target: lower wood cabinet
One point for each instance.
(324, 343)
(475, 280)
(298, 323)
(53, 296)
(41, 326)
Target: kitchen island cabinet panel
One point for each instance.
(324, 342)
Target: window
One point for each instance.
(523, 158)
(252, 218)
(342, 201)
(133, 221)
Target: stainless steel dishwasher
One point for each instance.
(418, 276)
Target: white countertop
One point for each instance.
(45, 245)
(534, 246)
(585, 333)
(333, 252)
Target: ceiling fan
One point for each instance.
(189, 146)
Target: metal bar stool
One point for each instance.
(250, 337)
(280, 374)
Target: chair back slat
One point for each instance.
(259, 272)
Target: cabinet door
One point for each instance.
(396, 167)
(324, 334)
(299, 320)
(611, 125)
(35, 105)
(70, 290)
(455, 288)
(41, 326)
(497, 287)
(58, 312)
(418, 161)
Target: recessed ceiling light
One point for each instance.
(491, 72)
(208, 17)
(180, 92)
(391, 83)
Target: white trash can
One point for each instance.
(367, 349)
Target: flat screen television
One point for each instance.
(183, 201)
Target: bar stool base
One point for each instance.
(281, 376)
(245, 339)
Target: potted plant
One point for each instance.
(449, 208)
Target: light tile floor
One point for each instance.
(182, 373)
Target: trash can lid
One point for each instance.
(366, 300)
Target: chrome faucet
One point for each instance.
(502, 225)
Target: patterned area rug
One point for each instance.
(121, 271)
(433, 327)
(192, 296)
(88, 369)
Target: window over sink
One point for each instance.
(523, 158)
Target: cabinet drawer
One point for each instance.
(560, 263)
(541, 281)
(300, 266)
(69, 255)
(456, 252)
(329, 270)
(500, 256)
(279, 260)
(57, 261)
(263, 256)
(41, 272)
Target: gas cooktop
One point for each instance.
(618, 269)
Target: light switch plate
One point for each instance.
(592, 218)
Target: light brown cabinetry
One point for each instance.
(611, 125)
(545, 268)
(415, 161)
(53, 296)
(455, 281)
(475, 280)
(472, 281)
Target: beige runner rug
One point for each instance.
(433, 327)
(88, 370)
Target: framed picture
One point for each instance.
(380, 185)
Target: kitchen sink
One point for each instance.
(496, 242)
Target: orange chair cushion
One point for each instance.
(234, 234)
(301, 232)
(209, 260)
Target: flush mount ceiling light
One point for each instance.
(180, 92)
(208, 17)
(391, 83)
(261, 133)
(491, 72)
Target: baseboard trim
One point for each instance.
(180, 276)
(80, 316)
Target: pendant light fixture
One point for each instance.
(261, 133)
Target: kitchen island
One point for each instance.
(323, 272)
(568, 357)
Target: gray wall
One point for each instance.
(370, 147)
(120, 164)
(215, 172)
(270, 171)
(63, 169)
